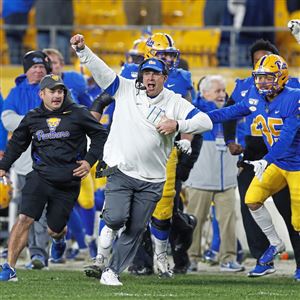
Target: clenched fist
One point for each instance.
(77, 42)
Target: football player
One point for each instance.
(253, 148)
(274, 110)
(162, 46)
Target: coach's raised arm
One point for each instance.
(150, 83)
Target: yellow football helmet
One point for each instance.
(5, 192)
(161, 45)
(270, 74)
(136, 53)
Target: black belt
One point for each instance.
(106, 172)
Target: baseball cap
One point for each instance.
(33, 58)
(51, 81)
(153, 64)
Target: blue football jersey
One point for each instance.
(129, 71)
(180, 82)
(240, 91)
(77, 85)
(277, 121)
(107, 115)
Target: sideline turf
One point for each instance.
(74, 285)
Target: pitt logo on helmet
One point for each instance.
(161, 45)
(270, 74)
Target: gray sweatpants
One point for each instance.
(129, 202)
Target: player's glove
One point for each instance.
(184, 146)
(294, 26)
(259, 167)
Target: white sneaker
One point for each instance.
(231, 266)
(163, 265)
(109, 277)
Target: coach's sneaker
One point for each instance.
(270, 253)
(57, 251)
(8, 273)
(262, 270)
(231, 266)
(297, 275)
(109, 277)
(95, 270)
(37, 262)
(163, 266)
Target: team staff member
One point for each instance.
(140, 140)
(23, 97)
(57, 131)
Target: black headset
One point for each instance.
(139, 80)
(48, 63)
(199, 83)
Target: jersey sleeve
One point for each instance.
(288, 132)
(229, 113)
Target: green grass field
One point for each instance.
(74, 285)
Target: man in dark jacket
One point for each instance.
(57, 130)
